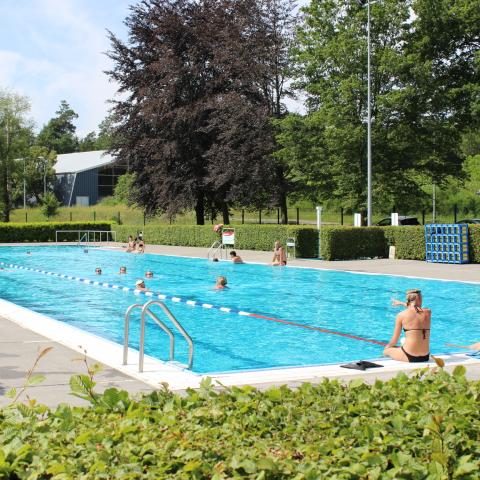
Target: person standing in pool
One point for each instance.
(415, 322)
(235, 258)
(279, 256)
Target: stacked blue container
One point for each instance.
(446, 243)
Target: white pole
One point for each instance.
(433, 204)
(369, 126)
(24, 187)
(319, 228)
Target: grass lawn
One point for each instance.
(134, 216)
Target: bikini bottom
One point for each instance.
(414, 358)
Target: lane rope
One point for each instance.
(193, 303)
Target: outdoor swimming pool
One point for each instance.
(341, 302)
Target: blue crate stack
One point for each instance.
(446, 243)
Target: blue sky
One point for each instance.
(52, 50)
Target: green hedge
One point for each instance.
(474, 241)
(425, 426)
(345, 243)
(247, 237)
(45, 231)
(409, 241)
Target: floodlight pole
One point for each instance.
(24, 186)
(369, 124)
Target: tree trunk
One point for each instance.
(225, 213)
(200, 209)
(282, 196)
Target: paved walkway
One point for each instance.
(19, 346)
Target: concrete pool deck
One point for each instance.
(20, 344)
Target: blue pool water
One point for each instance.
(351, 303)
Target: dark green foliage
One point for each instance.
(424, 426)
(45, 232)
(345, 243)
(59, 133)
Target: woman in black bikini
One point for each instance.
(415, 322)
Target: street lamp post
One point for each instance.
(369, 117)
(369, 125)
(24, 186)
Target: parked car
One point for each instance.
(470, 220)
(402, 220)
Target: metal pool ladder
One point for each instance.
(146, 310)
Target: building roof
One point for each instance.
(82, 161)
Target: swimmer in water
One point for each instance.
(221, 283)
(140, 285)
(123, 270)
(98, 271)
(149, 274)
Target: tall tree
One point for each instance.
(280, 20)
(188, 65)
(411, 140)
(34, 175)
(59, 134)
(15, 136)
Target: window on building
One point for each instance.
(108, 178)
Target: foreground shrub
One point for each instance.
(426, 426)
(45, 231)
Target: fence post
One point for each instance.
(94, 215)
(278, 216)
(423, 216)
(243, 216)
(341, 215)
(118, 218)
(70, 216)
(455, 211)
(26, 217)
(298, 216)
(144, 218)
(260, 217)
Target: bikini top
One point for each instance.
(424, 331)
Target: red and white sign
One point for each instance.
(228, 236)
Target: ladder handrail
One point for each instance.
(217, 246)
(147, 311)
(179, 327)
(126, 330)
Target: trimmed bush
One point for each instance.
(247, 237)
(346, 243)
(419, 427)
(474, 243)
(408, 240)
(45, 231)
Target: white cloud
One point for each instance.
(61, 57)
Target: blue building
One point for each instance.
(85, 178)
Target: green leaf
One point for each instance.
(35, 380)
(12, 393)
(266, 464)
(459, 371)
